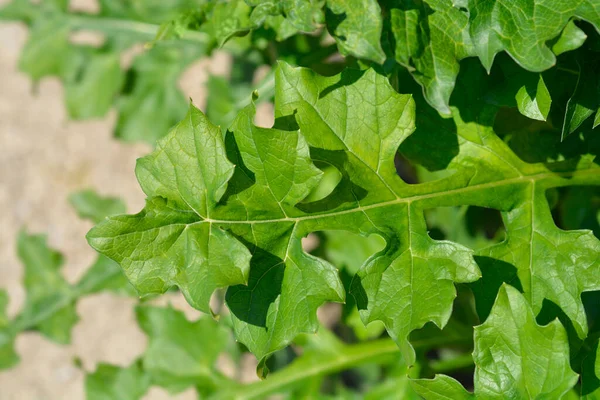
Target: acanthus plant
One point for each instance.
(440, 112)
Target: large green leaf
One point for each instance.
(515, 358)
(354, 122)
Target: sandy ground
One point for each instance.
(43, 158)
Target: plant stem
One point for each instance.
(307, 366)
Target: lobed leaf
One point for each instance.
(514, 357)
(522, 28)
(354, 122)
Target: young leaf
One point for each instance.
(514, 357)
(533, 100)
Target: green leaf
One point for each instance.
(181, 353)
(110, 382)
(8, 356)
(50, 301)
(533, 100)
(46, 289)
(523, 28)
(181, 181)
(90, 205)
(104, 275)
(356, 26)
(431, 38)
(93, 85)
(47, 49)
(202, 266)
(550, 263)
(157, 72)
(304, 15)
(297, 15)
(514, 357)
(228, 19)
(267, 153)
(226, 98)
(354, 122)
(440, 388)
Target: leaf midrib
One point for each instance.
(546, 176)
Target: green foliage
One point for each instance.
(89, 205)
(50, 300)
(443, 154)
(427, 37)
(515, 357)
(180, 354)
(249, 214)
